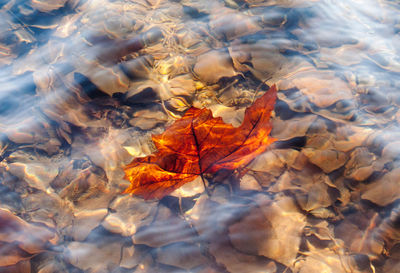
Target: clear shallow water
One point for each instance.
(84, 84)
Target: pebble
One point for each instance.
(214, 65)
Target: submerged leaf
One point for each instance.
(199, 143)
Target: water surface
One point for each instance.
(84, 85)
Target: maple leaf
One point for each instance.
(198, 143)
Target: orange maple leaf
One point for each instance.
(198, 143)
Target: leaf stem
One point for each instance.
(205, 186)
(198, 155)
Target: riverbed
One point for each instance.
(85, 84)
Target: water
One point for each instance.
(84, 85)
